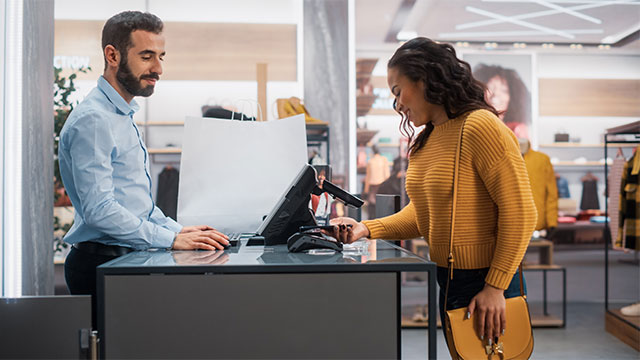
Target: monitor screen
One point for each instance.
(292, 210)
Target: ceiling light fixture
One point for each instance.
(604, 47)
(536, 14)
(612, 39)
(518, 34)
(518, 22)
(569, 11)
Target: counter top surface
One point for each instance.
(363, 255)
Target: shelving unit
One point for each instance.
(626, 328)
(575, 164)
(578, 145)
(155, 151)
(590, 160)
(544, 265)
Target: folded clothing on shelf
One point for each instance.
(588, 214)
(599, 219)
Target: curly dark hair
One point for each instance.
(117, 30)
(448, 82)
(519, 109)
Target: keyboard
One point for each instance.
(252, 239)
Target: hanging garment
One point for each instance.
(615, 178)
(629, 222)
(543, 187)
(589, 195)
(167, 195)
(563, 188)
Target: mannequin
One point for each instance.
(377, 173)
(543, 185)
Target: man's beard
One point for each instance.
(132, 84)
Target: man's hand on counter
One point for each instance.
(188, 229)
(200, 237)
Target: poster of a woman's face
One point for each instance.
(508, 80)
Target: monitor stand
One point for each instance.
(303, 216)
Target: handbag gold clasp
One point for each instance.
(495, 349)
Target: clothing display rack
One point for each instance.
(626, 328)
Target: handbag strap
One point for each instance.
(450, 259)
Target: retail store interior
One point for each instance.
(569, 70)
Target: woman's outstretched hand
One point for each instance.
(347, 230)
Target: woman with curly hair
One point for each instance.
(509, 95)
(495, 213)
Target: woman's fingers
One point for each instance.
(497, 324)
(481, 321)
(488, 324)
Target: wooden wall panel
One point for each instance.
(589, 97)
(198, 51)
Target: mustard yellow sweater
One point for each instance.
(495, 213)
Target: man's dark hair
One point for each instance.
(117, 30)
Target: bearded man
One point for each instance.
(105, 165)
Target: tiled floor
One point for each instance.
(584, 336)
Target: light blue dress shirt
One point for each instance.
(105, 170)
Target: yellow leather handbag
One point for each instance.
(462, 338)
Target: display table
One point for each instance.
(544, 265)
(258, 302)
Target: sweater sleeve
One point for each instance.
(502, 170)
(401, 225)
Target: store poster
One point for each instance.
(509, 81)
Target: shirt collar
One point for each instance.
(115, 98)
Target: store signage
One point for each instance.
(71, 62)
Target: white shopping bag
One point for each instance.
(232, 173)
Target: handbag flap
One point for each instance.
(517, 339)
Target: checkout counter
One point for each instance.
(258, 302)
